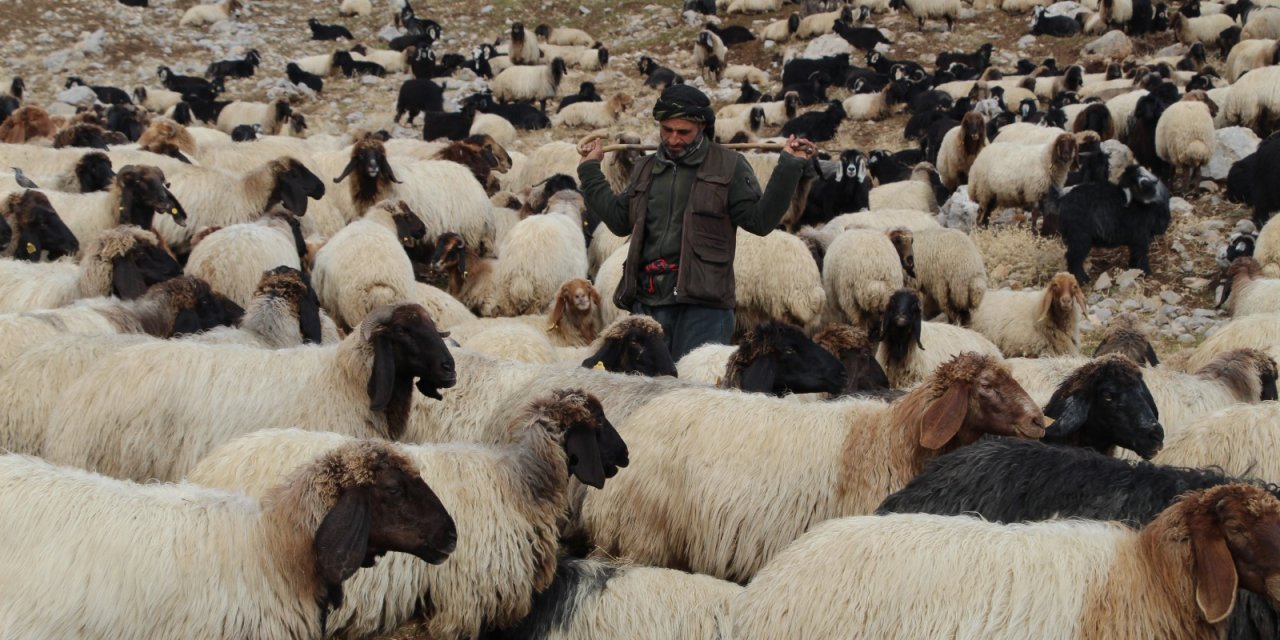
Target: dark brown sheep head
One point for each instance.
(1201, 96)
(593, 448)
(144, 192)
(973, 132)
(856, 352)
(1125, 336)
(778, 358)
(373, 171)
(972, 395)
(1060, 299)
(1064, 150)
(450, 255)
(405, 345)
(294, 183)
(294, 287)
(197, 307)
(633, 344)
(137, 261)
(378, 502)
(1234, 535)
(93, 172)
(1105, 404)
(39, 229)
(410, 229)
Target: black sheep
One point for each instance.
(811, 91)
(350, 66)
(846, 192)
(920, 122)
(520, 115)
(635, 347)
(778, 359)
(800, 70)
(451, 125)
(106, 95)
(1143, 19)
(705, 7)
(298, 76)
(586, 93)
(658, 76)
(190, 86)
(321, 31)
(887, 66)
(749, 94)
(1102, 214)
(817, 126)
(885, 168)
(245, 132)
(979, 60)
(1104, 405)
(930, 100)
(1141, 135)
(235, 68)
(1056, 26)
(1266, 192)
(418, 95)
(861, 38)
(731, 35)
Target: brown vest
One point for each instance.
(707, 234)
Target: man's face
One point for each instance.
(678, 134)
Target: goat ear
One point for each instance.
(944, 417)
(1069, 413)
(384, 166)
(1215, 573)
(309, 315)
(126, 278)
(187, 322)
(342, 540)
(759, 376)
(917, 329)
(582, 448)
(383, 377)
(1046, 301)
(346, 171)
(557, 311)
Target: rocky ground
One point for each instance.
(108, 43)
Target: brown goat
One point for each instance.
(166, 130)
(27, 123)
(575, 318)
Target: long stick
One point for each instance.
(743, 146)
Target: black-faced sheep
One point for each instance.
(634, 344)
(903, 334)
(586, 93)
(243, 68)
(774, 358)
(321, 31)
(36, 227)
(529, 83)
(857, 352)
(1109, 215)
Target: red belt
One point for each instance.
(656, 267)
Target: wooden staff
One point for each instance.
(738, 146)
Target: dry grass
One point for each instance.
(1015, 255)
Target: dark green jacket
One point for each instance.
(664, 221)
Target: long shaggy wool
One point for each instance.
(363, 267)
(1236, 439)
(860, 271)
(233, 258)
(950, 273)
(29, 286)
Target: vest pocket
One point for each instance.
(710, 276)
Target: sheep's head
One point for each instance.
(1250, 374)
(593, 449)
(293, 287)
(777, 358)
(972, 395)
(1126, 337)
(410, 229)
(166, 148)
(294, 183)
(136, 258)
(856, 352)
(517, 32)
(450, 255)
(1060, 299)
(1234, 534)
(493, 152)
(373, 170)
(376, 502)
(1203, 97)
(196, 307)
(405, 345)
(1105, 404)
(84, 135)
(973, 130)
(40, 230)
(901, 324)
(704, 40)
(143, 193)
(1064, 150)
(633, 344)
(903, 243)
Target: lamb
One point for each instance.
(512, 518)
(774, 358)
(521, 83)
(862, 268)
(873, 106)
(817, 126)
(917, 193)
(1253, 101)
(35, 228)
(950, 274)
(709, 53)
(563, 36)
(1109, 215)
(948, 10)
(816, 24)
(277, 566)
(1234, 439)
(123, 262)
(1246, 292)
(203, 14)
(903, 334)
(364, 266)
(958, 403)
(1034, 323)
(1185, 137)
(231, 259)
(593, 114)
(776, 113)
(1005, 174)
(1250, 55)
(363, 385)
(959, 148)
(272, 117)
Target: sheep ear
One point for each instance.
(293, 195)
(1069, 413)
(187, 322)
(1046, 302)
(309, 315)
(346, 171)
(1215, 574)
(944, 417)
(917, 329)
(1154, 361)
(557, 311)
(759, 376)
(606, 358)
(583, 452)
(383, 377)
(342, 540)
(384, 165)
(126, 278)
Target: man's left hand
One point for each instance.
(799, 147)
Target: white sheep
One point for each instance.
(156, 100)
(353, 8)
(320, 65)
(1185, 137)
(392, 61)
(233, 258)
(1267, 248)
(1204, 29)
(781, 30)
(916, 193)
(739, 128)
(564, 36)
(1253, 100)
(521, 83)
(861, 269)
(102, 555)
(445, 309)
(1006, 174)
(948, 10)
(538, 255)
(1260, 331)
(1261, 25)
(593, 114)
(869, 106)
(494, 126)
(959, 148)
(270, 116)
(1248, 55)
(752, 6)
(364, 266)
(1122, 108)
(1027, 133)
(1034, 323)
(925, 576)
(509, 498)
(884, 219)
(203, 14)
(950, 274)
(776, 113)
(1237, 439)
(57, 169)
(775, 278)
(1247, 292)
(603, 244)
(746, 73)
(816, 24)
(362, 386)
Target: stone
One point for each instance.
(63, 60)
(1130, 305)
(1113, 44)
(1171, 297)
(1195, 284)
(959, 212)
(1103, 282)
(1128, 277)
(828, 45)
(1026, 41)
(93, 43)
(1180, 206)
(1178, 247)
(1234, 143)
(1204, 313)
(1101, 316)
(1175, 50)
(78, 96)
(1186, 338)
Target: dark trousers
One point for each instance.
(688, 326)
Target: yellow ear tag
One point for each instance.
(31, 248)
(599, 365)
(173, 212)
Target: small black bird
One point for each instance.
(22, 180)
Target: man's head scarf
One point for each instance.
(685, 102)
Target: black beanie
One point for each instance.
(684, 101)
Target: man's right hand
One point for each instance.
(593, 150)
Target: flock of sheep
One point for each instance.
(270, 383)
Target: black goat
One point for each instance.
(749, 94)
(423, 64)
(861, 38)
(1102, 214)
(812, 91)
(586, 93)
(190, 86)
(351, 67)
(731, 35)
(778, 359)
(847, 191)
(930, 101)
(1143, 19)
(887, 66)
(321, 31)
(1241, 177)
(800, 70)
(1103, 405)
(657, 75)
(450, 125)
(817, 126)
(633, 345)
(235, 68)
(520, 115)
(106, 95)
(133, 3)
(205, 111)
(416, 96)
(885, 168)
(127, 119)
(1093, 164)
(1265, 197)
(978, 60)
(298, 76)
(919, 123)
(1056, 26)
(479, 62)
(705, 7)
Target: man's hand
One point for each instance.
(799, 147)
(591, 151)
